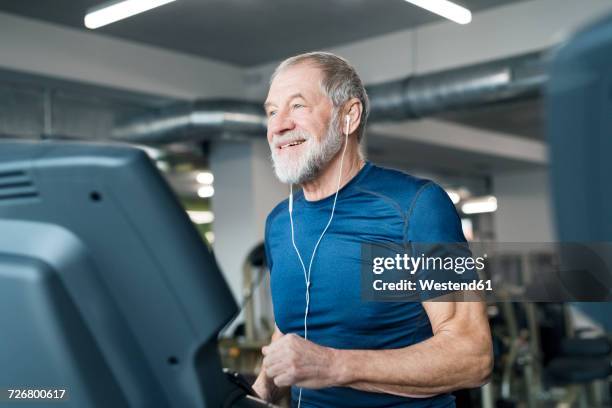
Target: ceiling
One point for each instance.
(443, 161)
(247, 32)
(520, 118)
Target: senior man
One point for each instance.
(332, 348)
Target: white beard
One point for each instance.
(308, 165)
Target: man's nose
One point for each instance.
(280, 123)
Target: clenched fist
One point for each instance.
(292, 360)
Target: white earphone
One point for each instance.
(347, 121)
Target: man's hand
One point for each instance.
(264, 386)
(459, 355)
(292, 360)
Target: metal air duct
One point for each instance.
(469, 87)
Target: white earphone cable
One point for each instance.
(314, 251)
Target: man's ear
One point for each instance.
(354, 109)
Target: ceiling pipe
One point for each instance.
(199, 120)
(495, 82)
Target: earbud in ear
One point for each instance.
(347, 121)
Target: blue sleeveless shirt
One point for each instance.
(377, 205)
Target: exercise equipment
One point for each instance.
(106, 288)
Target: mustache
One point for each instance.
(290, 137)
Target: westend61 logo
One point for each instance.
(498, 272)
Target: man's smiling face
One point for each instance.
(299, 116)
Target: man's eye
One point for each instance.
(271, 113)
(297, 105)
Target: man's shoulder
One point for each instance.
(279, 209)
(394, 183)
(432, 214)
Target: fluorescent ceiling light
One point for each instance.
(446, 9)
(162, 165)
(210, 236)
(206, 191)
(201, 217)
(153, 153)
(118, 10)
(454, 196)
(205, 177)
(480, 205)
(468, 228)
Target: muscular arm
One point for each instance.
(457, 356)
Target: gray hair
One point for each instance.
(340, 81)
